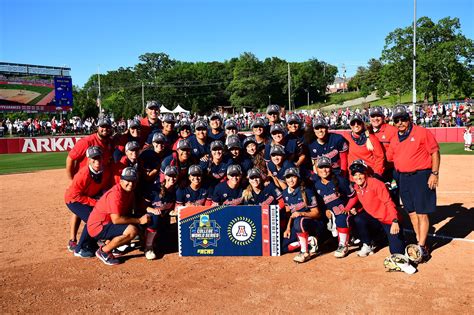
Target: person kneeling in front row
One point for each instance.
(111, 220)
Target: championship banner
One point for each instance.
(229, 231)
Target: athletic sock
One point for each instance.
(343, 235)
(303, 239)
(293, 246)
(150, 238)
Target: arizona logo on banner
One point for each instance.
(229, 231)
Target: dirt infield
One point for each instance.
(39, 275)
(20, 96)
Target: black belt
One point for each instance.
(412, 173)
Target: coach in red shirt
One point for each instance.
(102, 138)
(415, 154)
(111, 217)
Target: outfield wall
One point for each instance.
(58, 144)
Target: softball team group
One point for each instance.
(131, 186)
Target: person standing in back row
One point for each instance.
(415, 154)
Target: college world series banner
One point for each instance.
(229, 231)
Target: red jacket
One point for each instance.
(83, 188)
(374, 159)
(376, 200)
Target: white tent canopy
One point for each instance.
(163, 109)
(179, 109)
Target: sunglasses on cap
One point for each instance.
(401, 119)
(357, 122)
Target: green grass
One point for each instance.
(43, 90)
(450, 148)
(335, 98)
(30, 162)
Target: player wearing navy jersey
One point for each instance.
(149, 161)
(292, 151)
(168, 131)
(278, 166)
(184, 131)
(260, 134)
(133, 133)
(230, 191)
(216, 167)
(182, 159)
(161, 204)
(199, 141)
(257, 193)
(194, 194)
(251, 148)
(337, 198)
(216, 132)
(237, 156)
(273, 115)
(302, 207)
(329, 144)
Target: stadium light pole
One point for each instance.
(414, 62)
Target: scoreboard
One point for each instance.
(63, 91)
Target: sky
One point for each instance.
(92, 35)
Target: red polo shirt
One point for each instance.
(414, 153)
(78, 153)
(83, 188)
(376, 200)
(114, 201)
(385, 135)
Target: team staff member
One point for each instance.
(329, 144)
(302, 207)
(379, 209)
(82, 195)
(151, 122)
(129, 160)
(132, 134)
(337, 197)
(230, 191)
(365, 146)
(216, 132)
(102, 138)
(111, 220)
(415, 154)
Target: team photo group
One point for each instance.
(128, 188)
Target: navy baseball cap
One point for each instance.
(132, 146)
(356, 117)
(234, 143)
(231, 124)
(184, 124)
(320, 122)
(184, 144)
(293, 118)
(277, 149)
(277, 128)
(259, 122)
(200, 124)
(171, 171)
(292, 171)
(376, 111)
(215, 116)
(94, 152)
(129, 174)
(158, 137)
(249, 140)
(134, 124)
(234, 169)
(169, 118)
(254, 172)
(195, 170)
(273, 109)
(104, 121)
(324, 161)
(358, 166)
(400, 111)
(217, 144)
(152, 104)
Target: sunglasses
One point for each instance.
(234, 175)
(276, 154)
(273, 114)
(160, 142)
(403, 119)
(356, 122)
(254, 177)
(201, 129)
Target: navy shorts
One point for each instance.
(415, 193)
(111, 230)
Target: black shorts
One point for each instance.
(415, 193)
